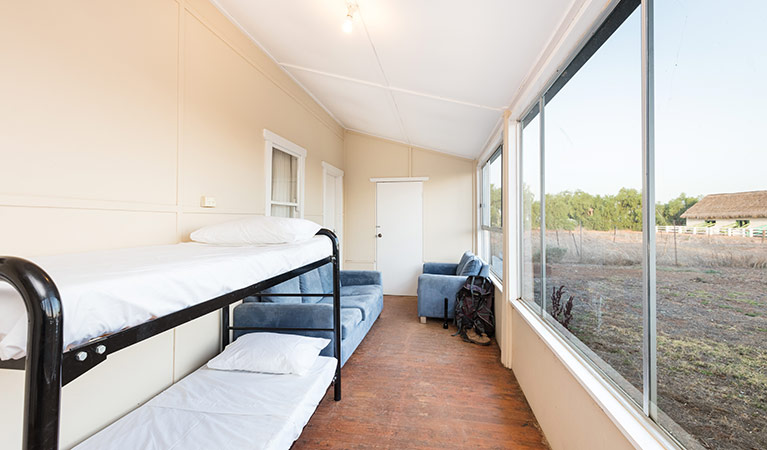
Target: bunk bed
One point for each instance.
(54, 355)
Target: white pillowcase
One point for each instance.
(257, 230)
(270, 353)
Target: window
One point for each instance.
(670, 311)
(284, 184)
(285, 177)
(592, 270)
(492, 212)
(712, 308)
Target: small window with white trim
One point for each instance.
(285, 162)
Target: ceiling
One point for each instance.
(436, 74)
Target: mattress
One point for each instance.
(104, 292)
(215, 409)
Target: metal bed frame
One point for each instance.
(48, 368)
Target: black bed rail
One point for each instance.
(42, 384)
(48, 369)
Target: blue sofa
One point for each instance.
(440, 281)
(361, 304)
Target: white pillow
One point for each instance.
(270, 353)
(257, 230)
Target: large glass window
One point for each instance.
(593, 182)
(705, 321)
(711, 193)
(585, 271)
(492, 212)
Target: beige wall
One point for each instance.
(116, 118)
(567, 414)
(448, 197)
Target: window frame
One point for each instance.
(484, 210)
(616, 14)
(273, 141)
(497, 153)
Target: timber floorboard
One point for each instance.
(414, 386)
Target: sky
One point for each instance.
(710, 106)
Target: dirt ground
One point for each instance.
(712, 325)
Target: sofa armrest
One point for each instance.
(440, 268)
(438, 287)
(360, 277)
(286, 315)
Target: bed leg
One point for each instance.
(444, 324)
(43, 377)
(224, 327)
(337, 320)
(336, 309)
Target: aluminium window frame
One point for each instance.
(485, 202)
(497, 153)
(615, 15)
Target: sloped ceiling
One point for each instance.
(435, 74)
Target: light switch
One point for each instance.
(208, 202)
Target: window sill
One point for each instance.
(496, 281)
(635, 426)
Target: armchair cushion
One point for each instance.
(472, 267)
(467, 256)
(440, 268)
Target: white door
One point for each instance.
(399, 235)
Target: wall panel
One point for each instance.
(116, 119)
(89, 99)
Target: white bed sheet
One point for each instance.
(104, 292)
(216, 409)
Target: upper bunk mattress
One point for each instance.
(107, 291)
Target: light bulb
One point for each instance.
(348, 24)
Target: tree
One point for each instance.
(567, 210)
(496, 201)
(671, 212)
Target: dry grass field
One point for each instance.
(712, 324)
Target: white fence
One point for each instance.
(712, 231)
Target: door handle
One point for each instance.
(380, 235)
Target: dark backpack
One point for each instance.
(474, 308)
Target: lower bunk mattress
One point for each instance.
(216, 409)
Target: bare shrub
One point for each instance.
(562, 312)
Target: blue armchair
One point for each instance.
(441, 281)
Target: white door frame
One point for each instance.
(331, 170)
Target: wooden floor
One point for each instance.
(412, 385)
